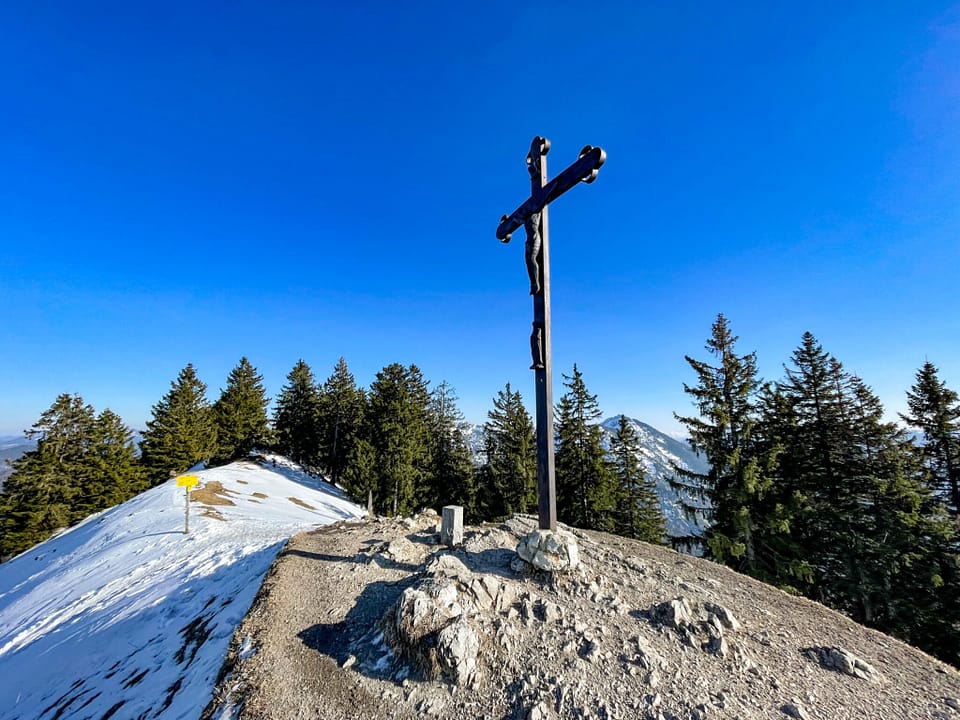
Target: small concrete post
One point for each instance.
(451, 528)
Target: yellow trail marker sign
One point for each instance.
(187, 482)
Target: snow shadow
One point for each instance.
(295, 473)
(151, 649)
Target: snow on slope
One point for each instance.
(124, 616)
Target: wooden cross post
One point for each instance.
(532, 215)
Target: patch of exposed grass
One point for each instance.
(212, 493)
(301, 503)
(259, 495)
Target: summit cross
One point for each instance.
(532, 216)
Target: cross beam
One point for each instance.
(532, 216)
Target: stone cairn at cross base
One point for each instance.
(550, 550)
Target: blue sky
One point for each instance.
(202, 181)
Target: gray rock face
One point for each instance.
(550, 551)
(457, 647)
(433, 623)
(676, 613)
(843, 661)
(794, 711)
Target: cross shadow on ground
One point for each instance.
(359, 635)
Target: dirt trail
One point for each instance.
(603, 642)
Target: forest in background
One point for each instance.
(807, 488)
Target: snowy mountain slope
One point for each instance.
(658, 452)
(124, 616)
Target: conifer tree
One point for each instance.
(360, 476)
(729, 493)
(113, 473)
(507, 479)
(296, 417)
(639, 514)
(935, 411)
(340, 420)
(451, 460)
(398, 434)
(586, 488)
(864, 528)
(40, 495)
(182, 432)
(240, 414)
(82, 463)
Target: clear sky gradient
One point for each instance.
(196, 182)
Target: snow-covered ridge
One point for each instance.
(125, 616)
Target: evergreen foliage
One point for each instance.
(296, 417)
(864, 528)
(182, 432)
(114, 473)
(398, 430)
(451, 467)
(638, 513)
(83, 463)
(586, 487)
(507, 479)
(240, 414)
(729, 494)
(935, 411)
(360, 475)
(340, 420)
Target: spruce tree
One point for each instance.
(360, 476)
(83, 463)
(866, 529)
(182, 432)
(113, 473)
(240, 414)
(638, 514)
(296, 417)
(41, 494)
(586, 488)
(398, 434)
(507, 479)
(340, 420)
(451, 461)
(935, 411)
(729, 493)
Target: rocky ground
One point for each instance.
(375, 619)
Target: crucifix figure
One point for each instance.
(532, 216)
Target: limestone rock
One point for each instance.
(794, 711)
(551, 551)
(676, 613)
(457, 648)
(724, 615)
(843, 661)
(448, 565)
(402, 550)
(412, 626)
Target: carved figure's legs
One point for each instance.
(532, 247)
(536, 347)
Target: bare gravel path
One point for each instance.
(638, 632)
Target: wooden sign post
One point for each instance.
(187, 482)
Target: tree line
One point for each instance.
(810, 489)
(397, 446)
